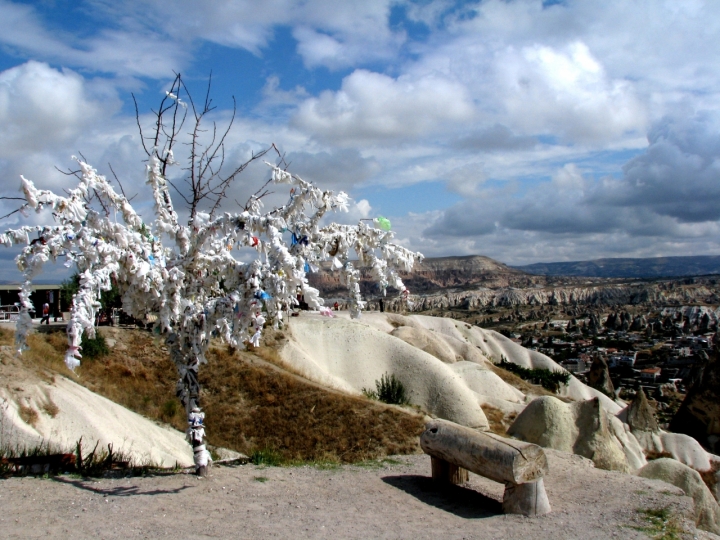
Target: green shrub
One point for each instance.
(661, 524)
(169, 409)
(389, 389)
(94, 347)
(266, 456)
(548, 379)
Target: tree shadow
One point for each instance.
(117, 491)
(458, 500)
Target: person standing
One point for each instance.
(46, 313)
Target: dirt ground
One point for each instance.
(390, 499)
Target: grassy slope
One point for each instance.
(249, 404)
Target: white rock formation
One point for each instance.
(582, 428)
(707, 512)
(446, 354)
(345, 355)
(82, 413)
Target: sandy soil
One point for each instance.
(395, 499)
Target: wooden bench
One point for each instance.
(455, 450)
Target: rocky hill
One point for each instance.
(436, 274)
(477, 282)
(629, 268)
(651, 293)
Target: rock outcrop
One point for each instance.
(37, 410)
(476, 282)
(582, 428)
(348, 355)
(640, 418)
(707, 512)
(599, 377)
(445, 365)
(699, 414)
(640, 414)
(661, 293)
(435, 274)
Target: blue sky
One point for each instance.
(523, 130)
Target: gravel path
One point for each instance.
(393, 499)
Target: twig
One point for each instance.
(122, 190)
(11, 213)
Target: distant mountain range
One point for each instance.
(473, 271)
(655, 267)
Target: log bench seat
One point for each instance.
(456, 449)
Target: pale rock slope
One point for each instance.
(444, 364)
(348, 356)
(494, 345)
(582, 427)
(681, 447)
(707, 511)
(64, 412)
(640, 417)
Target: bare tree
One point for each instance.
(206, 179)
(188, 275)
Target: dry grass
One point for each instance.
(45, 354)
(253, 406)
(651, 455)
(522, 385)
(250, 406)
(141, 378)
(28, 414)
(6, 337)
(499, 422)
(50, 408)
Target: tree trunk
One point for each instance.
(529, 499)
(486, 454)
(447, 473)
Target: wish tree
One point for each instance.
(193, 277)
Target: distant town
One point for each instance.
(659, 351)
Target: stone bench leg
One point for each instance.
(529, 499)
(447, 473)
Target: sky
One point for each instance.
(527, 130)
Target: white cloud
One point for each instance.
(134, 52)
(371, 107)
(678, 176)
(41, 107)
(341, 34)
(363, 208)
(357, 210)
(335, 169)
(520, 110)
(566, 93)
(329, 33)
(466, 179)
(666, 203)
(274, 96)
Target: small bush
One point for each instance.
(548, 379)
(94, 347)
(389, 390)
(266, 456)
(169, 409)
